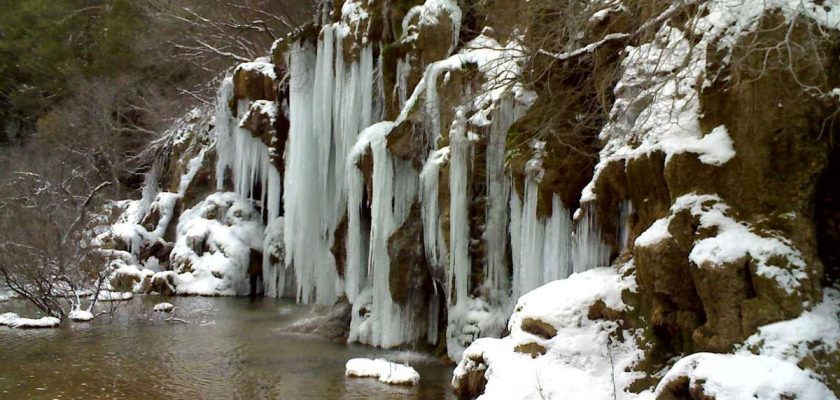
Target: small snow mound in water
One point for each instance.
(114, 296)
(80, 315)
(164, 307)
(385, 371)
(15, 321)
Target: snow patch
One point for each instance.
(385, 371)
(746, 376)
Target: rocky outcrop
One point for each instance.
(432, 161)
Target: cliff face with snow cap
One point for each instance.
(620, 199)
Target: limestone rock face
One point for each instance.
(255, 81)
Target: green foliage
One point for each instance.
(46, 45)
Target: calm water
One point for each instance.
(229, 349)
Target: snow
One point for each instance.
(164, 307)
(79, 315)
(747, 376)
(817, 330)
(7, 318)
(353, 12)
(475, 318)
(765, 366)
(732, 241)
(129, 230)
(583, 360)
(106, 295)
(657, 98)
(430, 13)
(192, 169)
(385, 371)
(274, 273)
(213, 247)
(130, 272)
(12, 320)
(260, 65)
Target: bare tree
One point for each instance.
(45, 254)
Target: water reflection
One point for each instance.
(229, 348)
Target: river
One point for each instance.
(229, 348)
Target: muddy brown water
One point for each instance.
(230, 348)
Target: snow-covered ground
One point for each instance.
(384, 370)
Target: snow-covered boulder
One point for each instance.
(164, 307)
(554, 349)
(216, 240)
(79, 315)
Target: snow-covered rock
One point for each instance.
(216, 239)
(554, 349)
(742, 376)
(80, 315)
(106, 295)
(13, 320)
(164, 307)
(384, 370)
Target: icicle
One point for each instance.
(434, 317)
(247, 158)
(590, 251)
(432, 231)
(403, 71)
(459, 260)
(515, 239)
(532, 236)
(388, 324)
(625, 223)
(558, 243)
(307, 245)
(497, 197)
(355, 271)
(223, 124)
(541, 248)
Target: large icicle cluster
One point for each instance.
(335, 98)
(330, 102)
